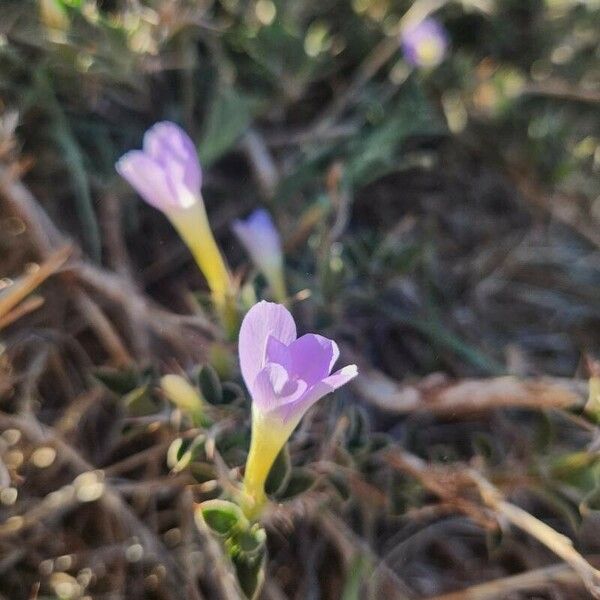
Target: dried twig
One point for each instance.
(451, 484)
(104, 329)
(560, 544)
(469, 396)
(445, 482)
(27, 306)
(11, 296)
(531, 581)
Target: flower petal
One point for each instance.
(273, 388)
(278, 352)
(262, 320)
(294, 411)
(341, 377)
(147, 177)
(260, 238)
(172, 147)
(313, 357)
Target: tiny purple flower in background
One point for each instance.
(262, 242)
(424, 43)
(166, 173)
(285, 376)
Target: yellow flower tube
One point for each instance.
(194, 229)
(268, 439)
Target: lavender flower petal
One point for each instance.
(425, 43)
(296, 409)
(261, 239)
(171, 146)
(166, 173)
(146, 176)
(312, 357)
(272, 389)
(262, 320)
(278, 353)
(284, 375)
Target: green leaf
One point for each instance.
(118, 381)
(181, 452)
(232, 392)
(579, 470)
(279, 475)
(357, 575)
(229, 116)
(375, 151)
(71, 154)
(250, 574)
(210, 385)
(221, 516)
(340, 485)
(590, 505)
(300, 481)
(140, 402)
(250, 542)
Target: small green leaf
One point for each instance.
(229, 115)
(221, 516)
(118, 381)
(140, 402)
(251, 542)
(176, 452)
(279, 475)
(250, 574)
(591, 503)
(232, 392)
(181, 452)
(339, 484)
(357, 575)
(202, 472)
(300, 481)
(210, 385)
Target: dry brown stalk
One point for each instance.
(469, 396)
(447, 483)
(502, 588)
(104, 329)
(451, 484)
(27, 306)
(11, 296)
(142, 315)
(560, 544)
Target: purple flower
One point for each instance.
(263, 243)
(424, 43)
(166, 173)
(285, 375)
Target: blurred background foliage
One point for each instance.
(310, 108)
(436, 220)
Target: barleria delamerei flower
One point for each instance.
(262, 241)
(424, 43)
(285, 376)
(168, 176)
